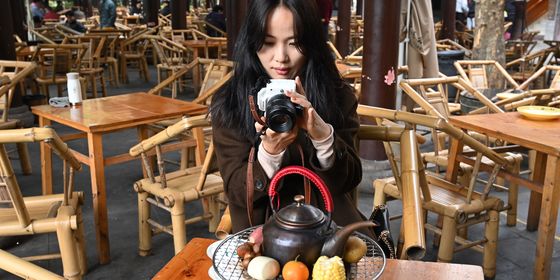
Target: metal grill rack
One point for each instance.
(228, 265)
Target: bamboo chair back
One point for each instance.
(64, 58)
(13, 73)
(460, 205)
(515, 49)
(55, 61)
(215, 74)
(524, 67)
(476, 73)
(59, 213)
(172, 190)
(169, 52)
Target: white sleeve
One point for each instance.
(269, 163)
(325, 149)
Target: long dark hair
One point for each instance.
(320, 78)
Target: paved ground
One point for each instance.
(516, 246)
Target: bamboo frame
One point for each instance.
(44, 214)
(460, 64)
(413, 190)
(177, 188)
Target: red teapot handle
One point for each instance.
(294, 169)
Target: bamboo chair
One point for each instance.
(515, 49)
(13, 73)
(439, 156)
(55, 213)
(172, 191)
(476, 73)
(41, 36)
(91, 67)
(172, 57)
(134, 49)
(108, 56)
(524, 67)
(421, 191)
(55, 62)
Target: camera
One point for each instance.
(279, 111)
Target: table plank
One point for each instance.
(190, 263)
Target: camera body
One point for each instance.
(279, 111)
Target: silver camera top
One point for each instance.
(275, 87)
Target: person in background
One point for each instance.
(136, 10)
(218, 19)
(51, 14)
(107, 14)
(325, 10)
(165, 8)
(461, 12)
(73, 23)
(283, 39)
(470, 15)
(37, 9)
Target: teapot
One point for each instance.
(301, 230)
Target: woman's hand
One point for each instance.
(274, 142)
(316, 128)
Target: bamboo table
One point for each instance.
(95, 117)
(544, 138)
(192, 263)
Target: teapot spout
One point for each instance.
(334, 246)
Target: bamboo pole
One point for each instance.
(25, 269)
(224, 227)
(414, 235)
(36, 134)
(168, 133)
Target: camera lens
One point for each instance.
(280, 113)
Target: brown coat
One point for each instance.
(232, 150)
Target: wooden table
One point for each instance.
(544, 138)
(95, 117)
(192, 263)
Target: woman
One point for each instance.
(282, 39)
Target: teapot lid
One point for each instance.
(300, 215)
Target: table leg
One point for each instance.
(99, 196)
(46, 161)
(549, 214)
(536, 198)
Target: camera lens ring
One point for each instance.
(280, 113)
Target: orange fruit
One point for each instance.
(295, 270)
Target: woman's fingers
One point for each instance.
(299, 86)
